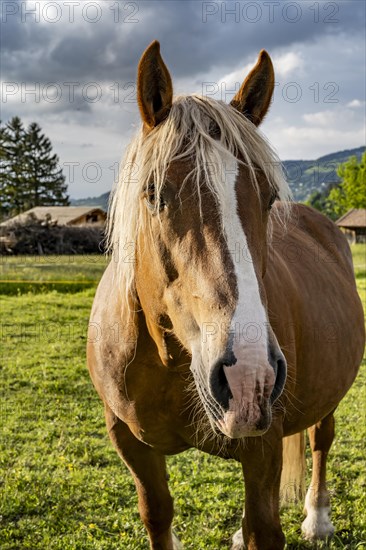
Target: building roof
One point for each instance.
(356, 217)
(64, 215)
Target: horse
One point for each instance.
(228, 317)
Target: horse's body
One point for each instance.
(143, 365)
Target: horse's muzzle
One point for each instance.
(250, 420)
(245, 395)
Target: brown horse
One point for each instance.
(224, 321)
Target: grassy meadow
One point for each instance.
(63, 487)
(20, 274)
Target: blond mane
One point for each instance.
(186, 133)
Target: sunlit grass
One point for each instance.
(63, 486)
(22, 274)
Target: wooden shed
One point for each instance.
(353, 225)
(93, 216)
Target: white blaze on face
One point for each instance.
(249, 322)
(251, 374)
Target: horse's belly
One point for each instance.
(325, 371)
(317, 316)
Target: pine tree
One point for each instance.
(3, 165)
(29, 171)
(45, 180)
(13, 173)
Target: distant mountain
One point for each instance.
(102, 201)
(304, 176)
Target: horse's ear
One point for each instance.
(154, 86)
(255, 93)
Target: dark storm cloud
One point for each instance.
(76, 78)
(195, 40)
(195, 36)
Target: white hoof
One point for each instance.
(317, 525)
(177, 545)
(238, 541)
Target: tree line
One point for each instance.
(30, 174)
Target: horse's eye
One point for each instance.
(274, 196)
(150, 197)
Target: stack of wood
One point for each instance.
(46, 237)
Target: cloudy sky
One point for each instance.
(71, 66)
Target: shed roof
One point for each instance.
(356, 217)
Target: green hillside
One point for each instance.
(304, 176)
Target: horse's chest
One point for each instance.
(157, 410)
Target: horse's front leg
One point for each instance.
(149, 473)
(262, 465)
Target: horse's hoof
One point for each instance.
(238, 541)
(317, 525)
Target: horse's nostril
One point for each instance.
(280, 369)
(219, 385)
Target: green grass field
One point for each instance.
(63, 486)
(20, 274)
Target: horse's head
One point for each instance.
(194, 198)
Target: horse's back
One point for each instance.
(313, 230)
(314, 252)
(316, 312)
